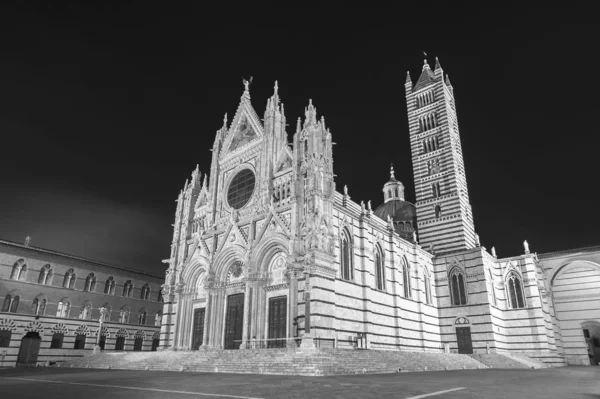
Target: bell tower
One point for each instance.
(444, 213)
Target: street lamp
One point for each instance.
(103, 312)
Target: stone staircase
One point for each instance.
(548, 359)
(500, 361)
(311, 362)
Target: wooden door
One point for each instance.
(137, 344)
(29, 350)
(234, 321)
(463, 337)
(155, 343)
(198, 333)
(277, 321)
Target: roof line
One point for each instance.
(570, 251)
(51, 252)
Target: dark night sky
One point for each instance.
(106, 110)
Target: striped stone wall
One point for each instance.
(573, 282)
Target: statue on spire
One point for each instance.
(247, 83)
(392, 171)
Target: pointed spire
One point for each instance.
(310, 113)
(299, 125)
(392, 177)
(225, 121)
(448, 81)
(437, 64)
(408, 78)
(276, 88)
(204, 183)
(323, 122)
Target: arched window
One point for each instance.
(427, 283)
(69, 280)
(90, 283)
(19, 270)
(38, 307)
(515, 291)
(379, 269)
(86, 311)
(127, 289)
(142, 316)
(124, 315)
(145, 292)
(406, 277)
(109, 286)
(63, 308)
(458, 292)
(108, 311)
(438, 211)
(11, 303)
(346, 257)
(46, 274)
(158, 319)
(160, 296)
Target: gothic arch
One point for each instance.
(567, 266)
(83, 330)
(194, 270)
(265, 252)
(225, 259)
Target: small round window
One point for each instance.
(241, 189)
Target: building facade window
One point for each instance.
(46, 275)
(69, 280)
(142, 316)
(19, 270)
(38, 306)
(427, 283)
(406, 279)
(379, 269)
(158, 319)
(90, 283)
(11, 303)
(516, 297)
(79, 341)
(109, 286)
(63, 308)
(127, 289)
(86, 311)
(346, 258)
(458, 292)
(124, 315)
(145, 292)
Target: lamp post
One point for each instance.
(103, 312)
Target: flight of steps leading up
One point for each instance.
(281, 361)
(500, 361)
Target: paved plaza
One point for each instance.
(560, 383)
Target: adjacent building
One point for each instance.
(50, 306)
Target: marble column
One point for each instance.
(307, 304)
(245, 328)
(206, 320)
(255, 319)
(293, 308)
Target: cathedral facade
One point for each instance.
(266, 252)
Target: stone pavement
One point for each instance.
(559, 383)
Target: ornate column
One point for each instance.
(307, 338)
(255, 319)
(246, 326)
(178, 318)
(293, 298)
(207, 319)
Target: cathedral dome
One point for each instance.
(402, 213)
(398, 210)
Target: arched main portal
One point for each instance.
(29, 350)
(572, 284)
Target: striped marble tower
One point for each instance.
(445, 219)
